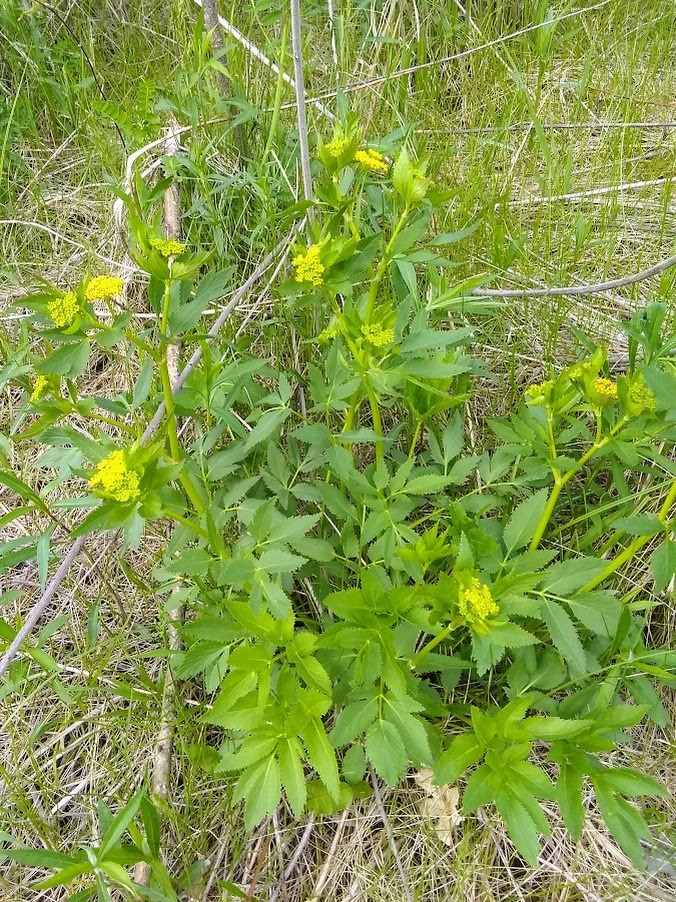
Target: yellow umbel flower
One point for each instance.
(103, 288)
(476, 601)
(371, 159)
(113, 478)
(308, 266)
(63, 311)
(40, 388)
(641, 399)
(337, 147)
(329, 333)
(606, 388)
(167, 247)
(377, 336)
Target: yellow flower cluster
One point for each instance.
(329, 333)
(40, 388)
(64, 310)
(337, 147)
(476, 601)
(371, 159)
(642, 398)
(606, 388)
(102, 288)
(114, 479)
(167, 247)
(377, 336)
(308, 266)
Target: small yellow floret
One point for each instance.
(114, 479)
(337, 147)
(308, 266)
(167, 247)
(64, 310)
(371, 159)
(40, 388)
(476, 601)
(376, 335)
(606, 388)
(102, 288)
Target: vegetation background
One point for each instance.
(557, 142)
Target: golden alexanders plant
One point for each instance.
(362, 591)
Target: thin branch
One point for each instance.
(577, 289)
(590, 192)
(547, 126)
(390, 836)
(213, 25)
(297, 44)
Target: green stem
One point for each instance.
(561, 481)
(172, 431)
(382, 266)
(418, 657)
(414, 441)
(377, 421)
(635, 546)
(277, 103)
(184, 521)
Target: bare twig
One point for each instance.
(295, 858)
(590, 192)
(390, 836)
(212, 22)
(577, 289)
(297, 44)
(546, 126)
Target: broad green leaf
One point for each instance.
(568, 576)
(462, 753)
(353, 721)
(663, 564)
(480, 789)
(630, 782)
(569, 798)
(622, 828)
(65, 876)
(411, 730)
(599, 611)
(264, 428)
(292, 775)
(264, 790)
(426, 484)
(564, 635)
(640, 525)
(510, 635)
(520, 825)
(548, 729)
(322, 756)
(524, 520)
(385, 750)
(354, 763)
(67, 360)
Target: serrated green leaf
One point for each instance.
(322, 756)
(633, 783)
(564, 635)
(663, 564)
(510, 635)
(565, 577)
(524, 520)
(548, 729)
(292, 775)
(353, 721)
(462, 753)
(385, 750)
(569, 797)
(520, 826)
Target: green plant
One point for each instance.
(362, 591)
(107, 862)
